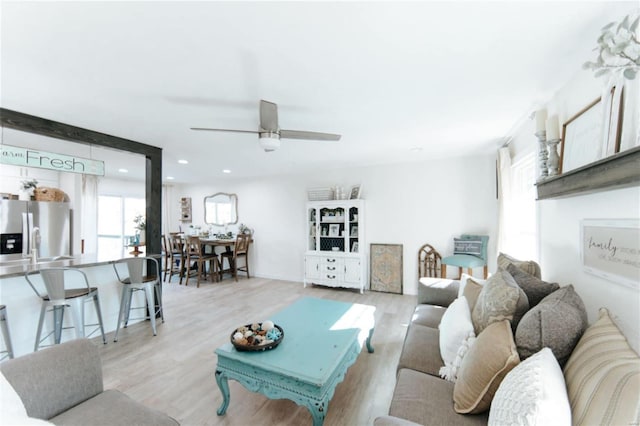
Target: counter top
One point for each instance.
(18, 267)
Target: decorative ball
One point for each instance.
(273, 334)
(237, 336)
(248, 333)
(267, 325)
(255, 326)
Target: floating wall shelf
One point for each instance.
(617, 171)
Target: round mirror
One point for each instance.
(221, 209)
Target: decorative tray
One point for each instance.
(257, 337)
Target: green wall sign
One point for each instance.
(28, 157)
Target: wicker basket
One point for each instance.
(49, 194)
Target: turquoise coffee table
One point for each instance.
(322, 339)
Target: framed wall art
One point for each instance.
(610, 249)
(612, 117)
(355, 192)
(582, 140)
(386, 268)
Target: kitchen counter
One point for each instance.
(20, 267)
(23, 306)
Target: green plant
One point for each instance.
(140, 221)
(618, 49)
(28, 184)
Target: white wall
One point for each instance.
(559, 219)
(409, 204)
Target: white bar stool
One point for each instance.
(8, 351)
(138, 281)
(58, 296)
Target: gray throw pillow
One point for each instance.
(499, 299)
(529, 266)
(535, 288)
(557, 322)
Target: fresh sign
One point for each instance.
(18, 156)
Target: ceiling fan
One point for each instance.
(270, 132)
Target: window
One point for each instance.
(115, 223)
(521, 210)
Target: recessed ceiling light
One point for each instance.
(183, 162)
(415, 149)
(170, 178)
(226, 171)
(123, 170)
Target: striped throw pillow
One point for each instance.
(603, 377)
(472, 247)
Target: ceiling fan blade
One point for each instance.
(268, 116)
(225, 130)
(312, 136)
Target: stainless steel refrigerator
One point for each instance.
(19, 218)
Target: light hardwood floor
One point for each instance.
(174, 371)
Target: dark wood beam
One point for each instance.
(153, 155)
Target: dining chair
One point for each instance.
(65, 288)
(470, 251)
(429, 262)
(176, 251)
(240, 250)
(195, 254)
(138, 280)
(166, 256)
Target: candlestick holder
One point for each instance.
(542, 154)
(554, 159)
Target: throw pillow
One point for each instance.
(534, 287)
(471, 247)
(556, 322)
(529, 266)
(497, 300)
(603, 376)
(484, 366)
(450, 372)
(12, 405)
(454, 327)
(464, 279)
(533, 393)
(472, 291)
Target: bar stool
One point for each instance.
(58, 296)
(8, 352)
(138, 281)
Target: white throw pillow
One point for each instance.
(10, 401)
(533, 393)
(455, 326)
(463, 283)
(450, 372)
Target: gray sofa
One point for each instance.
(63, 384)
(421, 396)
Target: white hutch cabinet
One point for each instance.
(336, 250)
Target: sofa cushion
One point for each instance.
(603, 376)
(534, 287)
(437, 291)
(472, 290)
(528, 266)
(112, 408)
(484, 366)
(393, 421)
(426, 399)
(454, 328)
(428, 315)
(533, 393)
(421, 350)
(11, 403)
(500, 298)
(556, 322)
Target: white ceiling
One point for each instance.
(450, 78)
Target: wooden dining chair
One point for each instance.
(196, 255)
(176, 251)
(166, 257)
(240, 250)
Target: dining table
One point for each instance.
(213, 242)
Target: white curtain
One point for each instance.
(504, 195)
(90, 213)
(167, 197)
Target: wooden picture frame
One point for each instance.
(582, 141)
(613, 113)
(386, 268)
(610, 249)
(354, 193)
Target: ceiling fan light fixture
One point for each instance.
(269, 141)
